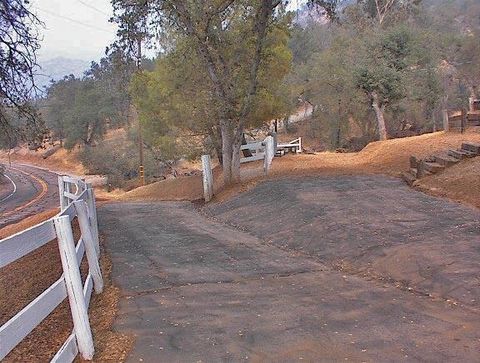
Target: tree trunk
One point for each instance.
(227, 149)
(379, 113)
(236, 161)
(231, 143)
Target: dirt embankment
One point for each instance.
(389, 157)
(460, 182)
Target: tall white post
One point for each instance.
(269, 153)
(73, 283)
(207, 178)
(92, 215)
(61, 191)
(90, 245)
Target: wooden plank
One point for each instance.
(269, 153)
(69, 211)
(69, 349)
(290, 146)
(87, 289)
(207, 178)
(259, 156)
(71, 196)
(251, 146)
(92, 215)
(18, 327)
(61, 191)
(73, 282)
(89, 242)
(22, 243)
(77, 181)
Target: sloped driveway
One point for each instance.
(317, 269)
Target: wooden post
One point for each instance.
(299, 150)
(90, 245)
(92, 215)
(207, 178)
(73, 283)
(269, 153)
(275, 143)
(471, 104)
(445, 120)
(463, 124)
(61, 191)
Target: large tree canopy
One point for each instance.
(19, 42)
(229, 38)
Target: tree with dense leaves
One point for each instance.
(19, 43)
(80, 110)
(229, 37)
(178, 94)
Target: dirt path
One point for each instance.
(31, 190)
(199, 290)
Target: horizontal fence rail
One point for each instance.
(256, 148)
(77, 200)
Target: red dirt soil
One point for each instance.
(389, 157)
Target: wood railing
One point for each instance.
(77, 201)
(294, 145)
(260, 150)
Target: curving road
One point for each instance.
(25, 191)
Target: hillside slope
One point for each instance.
(389, 157)
(460, 182)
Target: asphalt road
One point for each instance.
(312, 270)
(25, 191)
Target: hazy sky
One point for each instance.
(79, 28)
(74, 28)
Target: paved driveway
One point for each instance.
(299, 270)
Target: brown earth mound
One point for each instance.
(389, 157)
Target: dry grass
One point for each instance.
(62, 161)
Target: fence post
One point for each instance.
(207, 178)
(445, 120)
(299, 150)
(73, 283)
(471, 103)
(92, 215)
(269, 153)
(90, 245)
(61, 191)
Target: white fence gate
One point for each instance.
(77, 200)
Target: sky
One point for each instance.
(74, 28)
(79, 29)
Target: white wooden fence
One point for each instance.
(261, 150)
(77, 201)
(294, 146)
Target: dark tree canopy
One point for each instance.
(19, 42)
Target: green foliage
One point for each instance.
(384, 62)
(177, 97)
(80, 110)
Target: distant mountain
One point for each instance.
(57, 68)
